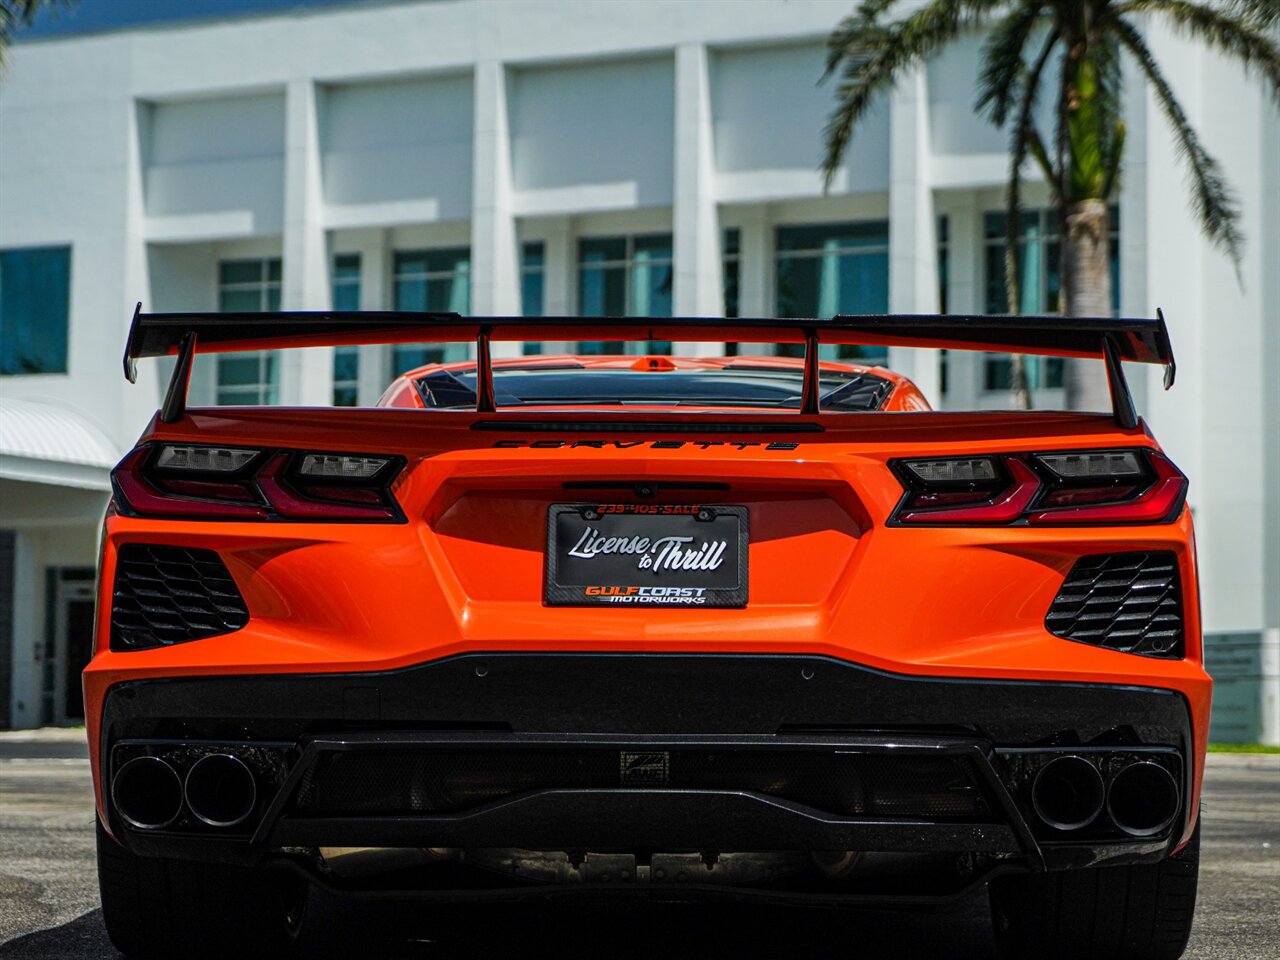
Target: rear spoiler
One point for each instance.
(1141, 340)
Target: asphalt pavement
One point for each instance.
(49, 896)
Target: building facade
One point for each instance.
(634, 157)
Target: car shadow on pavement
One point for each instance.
(404, 932)
(84, 938)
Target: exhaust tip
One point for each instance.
(220, 790)
(1068, 793)
(147, 793)
(1143, 799)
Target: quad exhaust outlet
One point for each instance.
(1143, 799)
(1068, 793)
(220, 790)
(148, 793)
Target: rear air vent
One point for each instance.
(1123, 601)
(165, 595)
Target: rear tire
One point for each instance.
(159, 908)
(1104, 913)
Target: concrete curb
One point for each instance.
(44, 735)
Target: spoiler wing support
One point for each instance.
(810, 401)
(175, 397)
(485, 401)
(1140, 340)
(1122, 408)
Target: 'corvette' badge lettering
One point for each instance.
(739, 445)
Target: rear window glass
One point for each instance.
(729, 386)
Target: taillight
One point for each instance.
(1074, 487)
(239, 483)
(1111, 486)
(180, 488)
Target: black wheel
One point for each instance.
(1104, 913)
(157, 908)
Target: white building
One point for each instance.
(639, 156)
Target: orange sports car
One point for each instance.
(749, 626)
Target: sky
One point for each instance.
(85, 16)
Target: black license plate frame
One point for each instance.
(647, 555)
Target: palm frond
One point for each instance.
(1094, 120)
(1113, 160)
(1217, 209)
(1040, 154)
(1240, 37)
(848, 36)
(15, 14)
(1264, 13)
(875, 55)
(1002, 64)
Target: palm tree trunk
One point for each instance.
(1018, 382)
(1086, 272)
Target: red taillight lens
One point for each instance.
(293, 498)
(1085, 487)
(233, 483)
(144, 490)
(1154, 497)
(1004, 497)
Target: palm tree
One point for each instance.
(15, 14)
(1074, 47)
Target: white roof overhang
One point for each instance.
(49, 443)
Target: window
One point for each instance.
(621, 277)
(532, 274)
(1040, 270)
(756, 386)
(944, 261)
(732, 261)
(731, 274)
(346, 360)
(35, 306)
(431, 280)
(248, 286)
(827, 269)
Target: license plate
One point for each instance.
(646, 555)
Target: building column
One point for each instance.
(1269, 252)
(964, 296)
(913, 247)
(559, 276)
(699, 281)
(495, 253)
(27, 667)
(755, 271)
(137, 400)
(375, 358)
(306, 376)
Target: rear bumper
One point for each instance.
(614, 705)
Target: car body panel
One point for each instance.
(828, 576)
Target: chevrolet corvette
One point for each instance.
(748, 627)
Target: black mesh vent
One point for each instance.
(165, 595)
(1122, 601)
(390, 782)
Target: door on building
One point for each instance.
(73, 598)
